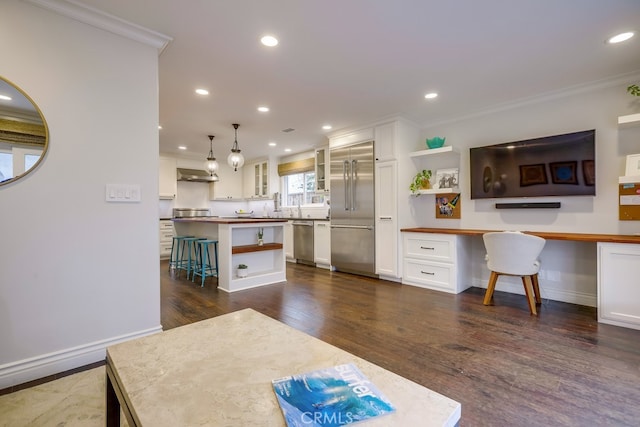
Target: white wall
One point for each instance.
(568, 272)
(77, 273)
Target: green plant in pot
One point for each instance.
(242, 270)
(422, 181)
(634, 90)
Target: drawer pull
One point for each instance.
(425, 247)
(426, 272)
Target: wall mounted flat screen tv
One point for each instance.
(559, 165)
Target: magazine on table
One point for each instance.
(329, 397)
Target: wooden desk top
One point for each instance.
(578, 237)
(218, 372)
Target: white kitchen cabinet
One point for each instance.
(229, 185)
(322, 170)
(386, 220)
(618, 290)
(166, 238)
(435, 261)
(288, 241)
(322, 244)
(168, 179)
(390, 136)
(257, 179)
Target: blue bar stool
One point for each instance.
(176, 244)
(204, 268)
(188, 263)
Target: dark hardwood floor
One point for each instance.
(506, 367)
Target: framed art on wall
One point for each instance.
(448, 206)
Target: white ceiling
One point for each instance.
(353, 62)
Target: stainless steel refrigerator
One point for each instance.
(352, 209)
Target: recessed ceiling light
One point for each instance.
(269, 41)
(326, 127)
(431, 95)
(181, 147)
(263, 109)
(272, 144)
(159, 127)
(619, 38)
(5, 98)
(287, 150)
(202, 92)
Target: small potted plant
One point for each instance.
(422, 181)
(260, 236)
(242, 270)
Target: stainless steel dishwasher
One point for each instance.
(303, 242)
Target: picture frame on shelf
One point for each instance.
(633, 165)
(447, 178)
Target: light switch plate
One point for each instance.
(127, 193)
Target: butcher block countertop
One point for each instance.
(577, 237)
(223, 220)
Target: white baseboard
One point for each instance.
(571, 297)
(22, 371)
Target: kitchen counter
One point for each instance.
(229, 220)
(238, 244)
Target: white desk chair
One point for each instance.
(514, 254)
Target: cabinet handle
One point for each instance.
(425, 247)
(386, 217)
(426, 272)
(321, 225)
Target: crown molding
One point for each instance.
(544, 97)
(104, 21)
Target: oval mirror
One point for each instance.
(24, 136)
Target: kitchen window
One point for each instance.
(298, 181)
(299, 188)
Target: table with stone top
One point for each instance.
(218, 372)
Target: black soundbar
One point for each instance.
(527, 205)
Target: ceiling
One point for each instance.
(353, 62)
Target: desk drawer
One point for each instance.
(436, 247)
(432, 275)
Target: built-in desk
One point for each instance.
(577, 237)
(618, 269)
(218, 372)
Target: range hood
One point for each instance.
(195, 175)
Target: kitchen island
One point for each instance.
(238, 244)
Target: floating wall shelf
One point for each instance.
(433, 151)
(630, 120)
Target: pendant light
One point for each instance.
(211, 165)
(235, 159)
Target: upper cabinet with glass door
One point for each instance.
(322, 170)
(24, 135)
